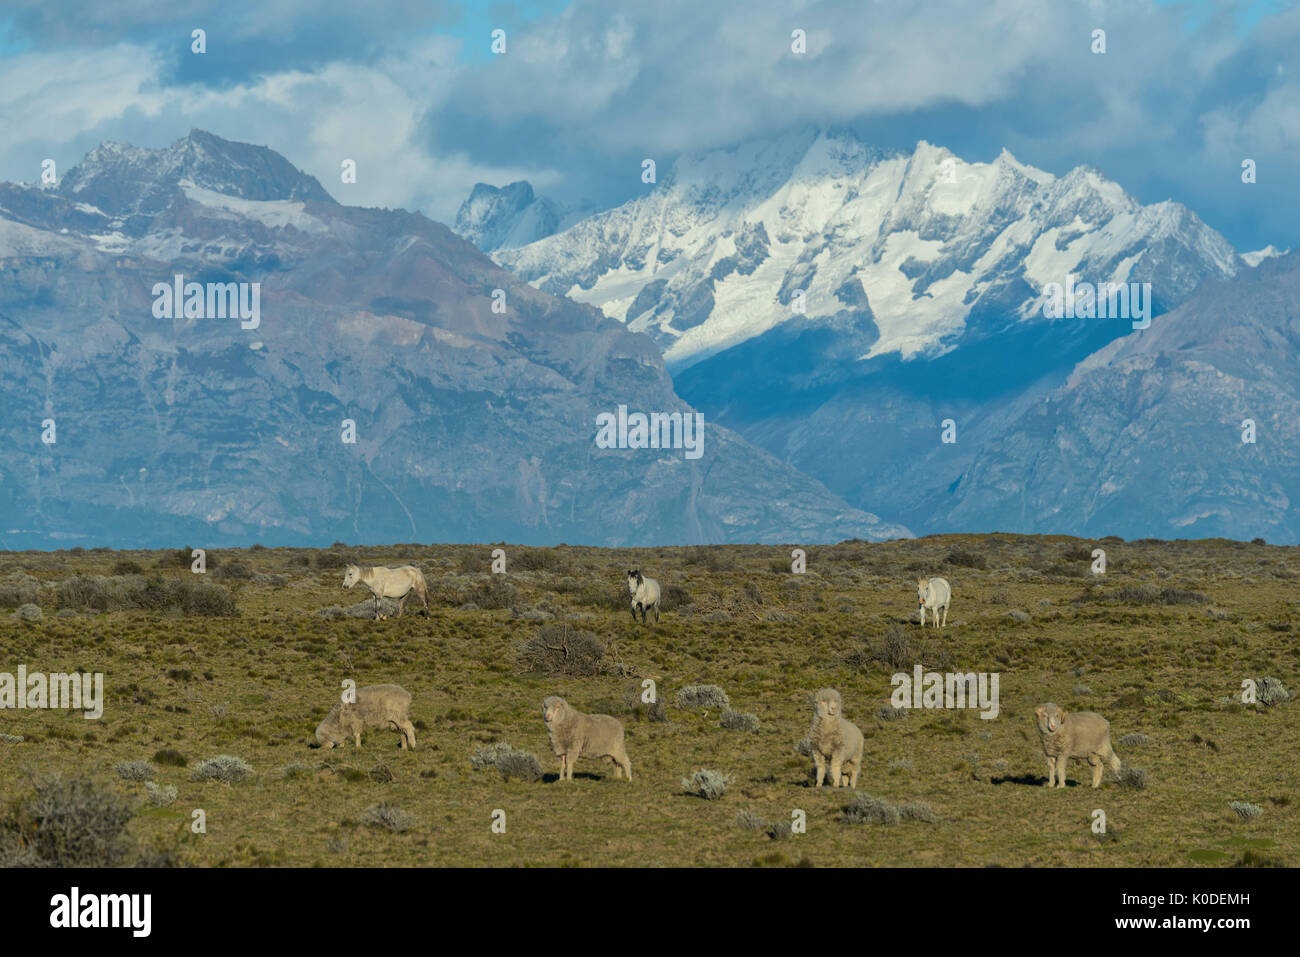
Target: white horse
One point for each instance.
(933, 593)
(645, 594)
(394, 582)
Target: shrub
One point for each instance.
(1145, 595)
(1016, 614)
(965, 558)
(747, 820)
(1136, 778)
(135, 770)
(160, 795)
(238, 570)
(706, 784)
(511, 762)
(67, 822)
(887, 712)
(335, 559)
(387, 817)
(20, 590)
(538, 560)
(495, 593)
(1135, 739)
(1245, 810)
(895, 648)
(866, 809)
(30, 613)
(703, 696)
(739, 721)
(11, 738)
(1272, 691)
(916, 811)
(170, 758)
(120, 593)
(674, 598)
(804, 746)
(127, 566)
(224, 767)
(562, 650)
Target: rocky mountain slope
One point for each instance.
(471, 425)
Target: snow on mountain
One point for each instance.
(921, 246)
(1259, 255)
(495, 218)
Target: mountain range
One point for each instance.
(878, 321)
(471, 398)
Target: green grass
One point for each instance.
(256, 684)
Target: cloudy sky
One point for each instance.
(587, 88)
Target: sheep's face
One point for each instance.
(828, 704)
(351, 576)
(634, 580)
(922, 586)
(553, 709)
(329, 734)
(1050, 718)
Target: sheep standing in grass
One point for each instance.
(645, 594)
(376, 706)
(933, 593)
(574, 734)
(1079, 734)
(835, 741)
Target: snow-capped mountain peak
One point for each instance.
(732, 243)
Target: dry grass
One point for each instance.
(1151, 655)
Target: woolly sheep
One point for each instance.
(835, 741)
(1078, 734)
(574, 734)
(376, 706)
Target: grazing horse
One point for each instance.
(933, 593)
(645, 595)
(394, 582)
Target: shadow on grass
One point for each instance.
(1028, 780)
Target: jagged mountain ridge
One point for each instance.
(471, 425)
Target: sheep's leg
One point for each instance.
(1095, 761)
(656, 613)
(853, 778)
(820, 763)
(627, 766)
(835, 770)
(922, 616)
(1061, 761)
(358, 738)
(945, 616)
(408, 729)
(1051, 771)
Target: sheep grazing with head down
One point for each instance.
(574, 734)
(376, 706)
(645, 594)
(835, 741)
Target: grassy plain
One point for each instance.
(1159, 645)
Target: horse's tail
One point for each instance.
(422, 589)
